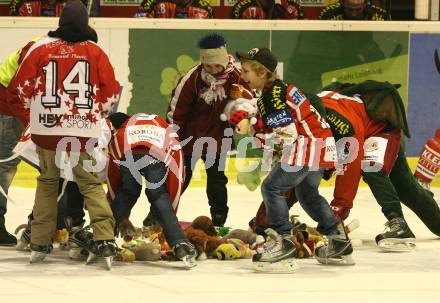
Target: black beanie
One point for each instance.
(74, 14)
(117, 119)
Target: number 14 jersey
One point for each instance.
(68, 88)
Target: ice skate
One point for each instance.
(39, 252)
(277, 256)
(103, 248)
(186, 252)
(6, 239)
(80, 240)
(398, 238)
(338, 250)
(25, 238)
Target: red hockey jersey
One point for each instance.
(348, 118)
(284, 105)
(149, 135)
(68, 88)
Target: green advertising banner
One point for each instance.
(307, 59)
(314, 59)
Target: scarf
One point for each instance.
(215, 90)
(71, 34)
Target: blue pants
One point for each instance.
(10, 132)
(306, 185)
(159, 198)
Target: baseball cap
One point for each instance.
(262, 55)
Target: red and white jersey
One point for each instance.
(348, 118)
(315, 146)
(148, 135)
(68, 87)
(285, 107)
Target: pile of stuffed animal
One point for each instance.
(222, 244)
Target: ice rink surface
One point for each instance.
(377, 276)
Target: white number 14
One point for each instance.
(76, 82)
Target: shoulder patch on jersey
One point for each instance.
(297, 96)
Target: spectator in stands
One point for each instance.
(355, 10)
(46, 8)
(267, 9)
(36, 8)
(192, 9)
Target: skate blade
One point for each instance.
(286, 266)
(342, 260)
(108, 262)
(90, 258)
(189, 262)
(397, 244)
(36, 258)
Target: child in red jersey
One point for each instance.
(308, 148)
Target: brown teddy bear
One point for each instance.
(202, 234)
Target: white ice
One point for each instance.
(377, 276)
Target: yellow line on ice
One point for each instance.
(27, 175)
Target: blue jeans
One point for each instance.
(159, 198)
(10, 132)
(306, 185)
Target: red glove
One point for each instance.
(340, 210)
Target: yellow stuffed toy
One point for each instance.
(227, 251)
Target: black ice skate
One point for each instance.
(6, 239)
(25, 238)
(277, 256)
(103, 248)
(338, 250)
(39, 252)
(186, 252)
(398, 238)
(80, 242)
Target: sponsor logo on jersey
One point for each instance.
(297, 96)
(340, 126)
(372, 146)
(65, 121)
(146, 133)
(278, 119)
(49, 120)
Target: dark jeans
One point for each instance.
(157, 194)
(306, 185)
(70, 205)
(215, 187)
(10, 132)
